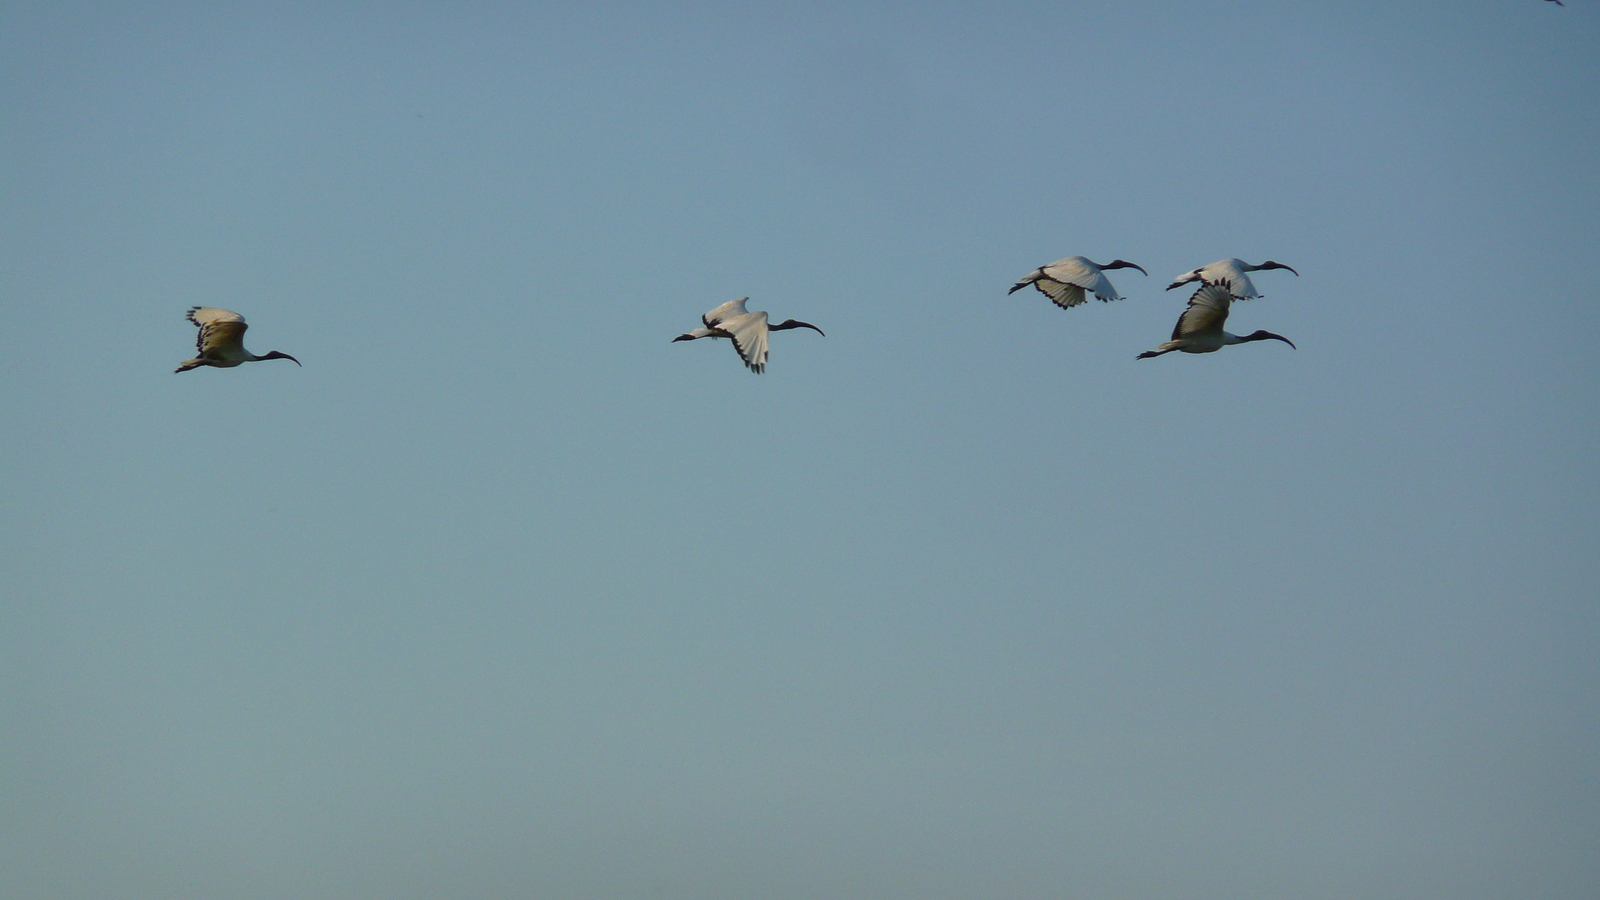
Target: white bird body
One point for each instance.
(1199, 329)
(1229, 273)
(220, 341)
(748, 331)
(1068, 282)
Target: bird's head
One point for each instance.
(1269, 264)
(787, 324)
(1124, 264)
(278, 355)
(1267, 336)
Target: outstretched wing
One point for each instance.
(724, 312)
(749, 333)
(221, 331)
(1208, 310)
(1063, 294)
(1230, 274)
(1240, 286)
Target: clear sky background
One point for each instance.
(504, 594)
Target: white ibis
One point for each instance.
(747, 330)
(221, 341)
(1230, 273)
(1065, 281)
(1199, 329)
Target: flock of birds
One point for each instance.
(1067, 282)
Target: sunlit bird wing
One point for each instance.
(1230, 274)
(749, 333)
(221, 331)
(726, 311)
(1206, 314)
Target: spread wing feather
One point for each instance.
(221, 330)
(1230, 274)
(749, 333)
(729, 310)
(1207, 311)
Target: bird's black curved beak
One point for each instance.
(1269, 264)
(794, 323)
(1124, 264)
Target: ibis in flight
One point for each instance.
(220, 342)
(1230, 273)
(748, 331)
(1065, 281)
(1199, 329)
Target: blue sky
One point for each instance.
(504, 594)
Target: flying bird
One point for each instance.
(1065, 281)
(1199, 329)
(1230, 273)
(220, 342)
(747, 330)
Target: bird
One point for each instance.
(220, 342)
(1199, 329)
(1065, 281)
(748, 331)
(1230, 273)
